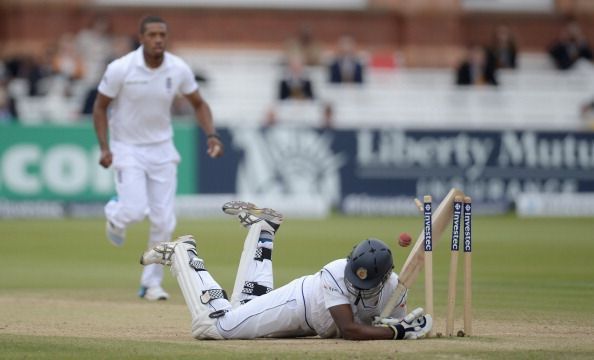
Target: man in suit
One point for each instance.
(346, 66)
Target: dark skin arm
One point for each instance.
(204, 119)
(100, 121)
(350, 330)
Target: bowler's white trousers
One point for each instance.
(146, 183)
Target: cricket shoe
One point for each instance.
(249, 214)
(115, 235)
(153, 293)
(416, 325)
(162, 253)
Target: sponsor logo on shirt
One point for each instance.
(136, 82)
(331, 288)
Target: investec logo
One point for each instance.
(30, 170)
(427, 218)
(456, 227)
(467, 228)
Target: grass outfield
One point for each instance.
(65, 293)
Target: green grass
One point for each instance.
(534, 269)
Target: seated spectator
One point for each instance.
(587, 114)
(31, 69)
(346, 67)
(475, 69)
(570, 47)
(327, 116)
(305, 46)
(8, 111)
(120, 46)
(94, 43)
(503, 51)
(67, 61)
(89, 101)
(295, 84)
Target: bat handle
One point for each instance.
(396, 299)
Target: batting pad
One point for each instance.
(247, 256)
(192, 285)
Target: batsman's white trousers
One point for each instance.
(146, 182)
(280, 313)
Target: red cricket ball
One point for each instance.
(404, 240)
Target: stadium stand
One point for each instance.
(241, 88)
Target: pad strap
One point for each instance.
(212, 294)
(253, 288)
(217, 314)
(197, 264)
(263, 253)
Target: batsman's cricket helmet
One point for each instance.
(368, 266)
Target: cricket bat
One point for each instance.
(415, 261)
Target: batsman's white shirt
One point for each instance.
(141, 110)
(327, 289)
(300, 308)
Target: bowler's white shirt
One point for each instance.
(327, 289)
(141, 110)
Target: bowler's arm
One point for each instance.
(204, 118)
(100, 122)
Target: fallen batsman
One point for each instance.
(343, 300)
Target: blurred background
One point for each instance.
(354, 106)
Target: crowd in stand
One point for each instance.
(73, 66)
(481, 63)
(69, 68)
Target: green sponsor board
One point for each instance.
(50, 162)
(186, 142)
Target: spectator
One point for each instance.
(8, 112)
(346, 66)
(29, 68)
(270, 118)
(305, 46)
(67, 61)
(327, 116)
(475, 69)
(503, 50)
(121, 45)
(587, 113)
(94, 43)
(295, 84)
(570, 47)
(89, 101)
